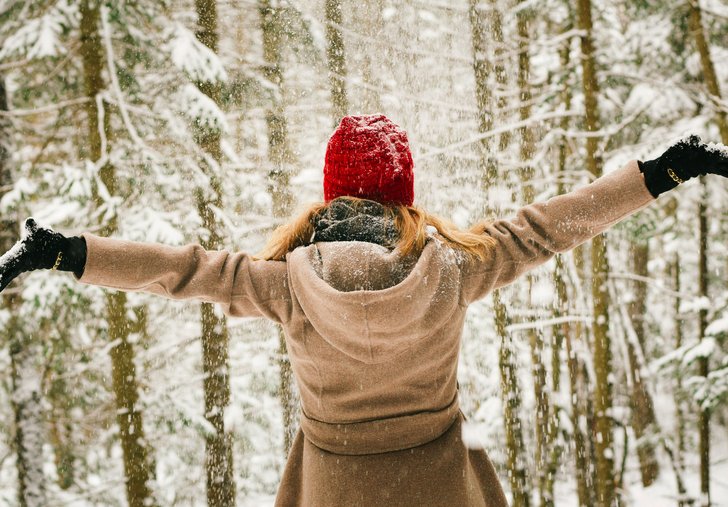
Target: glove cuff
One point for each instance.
(73, 255)
(658, 178)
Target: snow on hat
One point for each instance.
(369, 157)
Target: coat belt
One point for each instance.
(380, 435)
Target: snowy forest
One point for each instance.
(599, 378)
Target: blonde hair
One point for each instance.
(411, 223)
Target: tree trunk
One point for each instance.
(706, 62)
(280, 159)
(138, 468)
(510, 390)
(703, 366)
(511, 393)
(483, 92)
(369, 19)
(219, 473)
(30, 431)
(25, 389)
(680, 401)
(499, 67)
(711, 82)
(643, 412)
(605, 483)
(546, 423)
(337, 60)
(565, 333)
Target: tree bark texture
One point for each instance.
(138, 468)
(605, 483)
(545, 423)
(483, 90)
(711, 82)
(369, 19)
(500, 59)
(643, 412)
(706, 62)
(510, 390)
(703, 364)
(335, 52)
(511, 393)
(279, 175)
(25, 388)
(219, 466)
(30, 430)
(565, 332)
(680, 401)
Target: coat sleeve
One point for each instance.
(242, 286)
(559, 224)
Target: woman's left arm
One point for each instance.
(243, 286)
(563, 222)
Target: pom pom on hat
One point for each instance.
(369, 157)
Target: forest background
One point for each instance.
(599, 379)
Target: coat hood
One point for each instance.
(367, 301)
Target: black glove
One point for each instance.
(683, 160)
(42, 249)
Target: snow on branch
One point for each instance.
(37, 38)
(194, 58)
(540, 324)
(201, 108)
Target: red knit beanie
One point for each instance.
(369, 157)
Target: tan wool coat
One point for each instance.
(374, 341)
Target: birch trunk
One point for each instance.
(220, 480)
(280, 159)
(138, 468)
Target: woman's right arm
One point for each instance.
(242, 285)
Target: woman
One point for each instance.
(372, 295)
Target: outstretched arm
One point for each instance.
(241, 285)
(541, 230)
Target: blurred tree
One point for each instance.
(643, 412)
(26, 392)
(138, 466)
(546, 423)
(279, 176)
(336, 54)
(510, 389)
(566, 333)
(605, 477)
(220, 479)
(721, 119)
